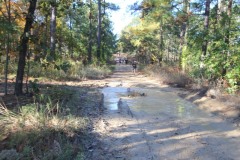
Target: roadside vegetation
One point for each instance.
(43, 42)
(185, 40)
(48, 121)
(169, 75)
(42, 129)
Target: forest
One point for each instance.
(54, 54)
(56, 37)
(43, 44)
(201, 38)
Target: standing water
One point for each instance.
(150, 101)
(162, 125)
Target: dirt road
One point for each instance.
(145, 120)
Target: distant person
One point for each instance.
(120, 61)
(126, 61)
(134, 65)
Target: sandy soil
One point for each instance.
(127, 133)
(208, 129)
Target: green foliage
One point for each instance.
(72, 36)
(34, 88)
(233, 75)
(157, 35)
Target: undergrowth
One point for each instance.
(169, 75)
(61, 70)
(46, 129)
(72, 71)
(173, 76)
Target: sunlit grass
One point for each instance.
(75, 72)
(54, 71)
(35, 130)
(32, 118)
(169, 75)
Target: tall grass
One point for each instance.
(169, 75)
(42, 130)
(61, 70)
(75, 71)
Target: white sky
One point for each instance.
(122, 17)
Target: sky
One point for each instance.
(123, 16)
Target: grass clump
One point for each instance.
(45, 129)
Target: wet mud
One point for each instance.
(144, 120)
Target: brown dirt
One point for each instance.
(225, 106)
(125, 134)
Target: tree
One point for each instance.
(23, 47)
(199, 33)
(8, 7)
(206, 26)
(183, 33)
(99, 31)
(90, 33)
(53, 28)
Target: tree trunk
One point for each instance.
(90, 35)
(183, 33)
(8, 7)
(23, 47)
(46, 36)
(221, 8)
(161, 44)
(53, 30)
(206, 26)
(227, 34)
(229, 12)
(99, 31)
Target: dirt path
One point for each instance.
(144, 120)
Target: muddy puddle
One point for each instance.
(150, 101)
(158, 124)
(112, 96)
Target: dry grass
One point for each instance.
(31, 118)
(169, 75)
(76, 71)
(36, 129)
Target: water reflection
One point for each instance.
(155, 101)
(112, 96)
